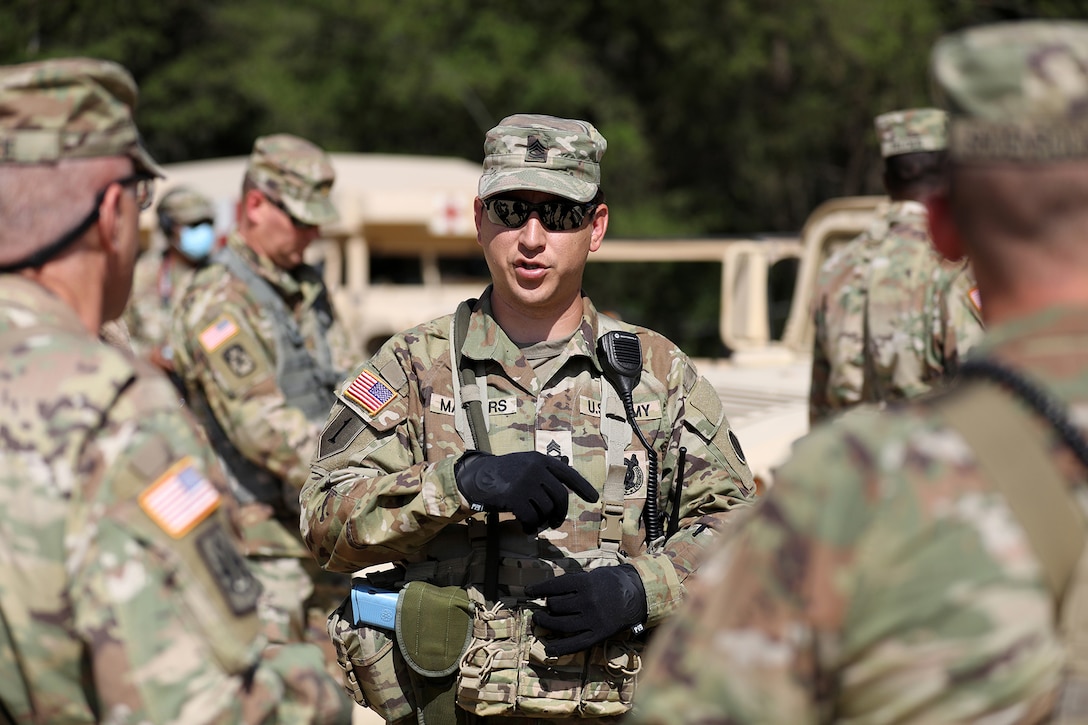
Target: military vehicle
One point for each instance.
(404, 251)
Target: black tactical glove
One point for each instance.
(530, 485)
(589, 606)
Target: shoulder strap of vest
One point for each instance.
(465, 380)
(1016, 459)
(1013, 455)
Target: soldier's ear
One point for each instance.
(942, 227)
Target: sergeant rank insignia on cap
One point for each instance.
(180, 498)
(370, 392)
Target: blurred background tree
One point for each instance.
(722, 116)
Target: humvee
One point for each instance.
(404, 251)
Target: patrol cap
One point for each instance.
(69, 108)
(183, 206)
(912, 130)
(1015, 91)
(296, 173)
(543, 153)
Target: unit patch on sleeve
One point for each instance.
(180, 498)
(239, 361)
(339, 433)
(229, 570)
(370, 392)
(217, 333)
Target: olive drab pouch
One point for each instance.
(434, 628)
(505, 671)
(376, 676)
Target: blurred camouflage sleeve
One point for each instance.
(168, 613)
(372, 496)
(862, 587)
(960, 317)
(238, 377)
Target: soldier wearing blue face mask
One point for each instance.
(186, 219)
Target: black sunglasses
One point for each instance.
(145, 192)
(560, 215)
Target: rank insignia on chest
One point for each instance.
(180, 498)
(370, 392)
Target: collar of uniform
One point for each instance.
(282, 280)
(23, 302)
(486, 340)
(902, 211)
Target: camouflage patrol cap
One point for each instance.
(543, 153)
(69, 108)
(912, 130)
(183, 206)
(1015, 91)
(296, 173)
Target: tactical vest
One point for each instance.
(307, 381)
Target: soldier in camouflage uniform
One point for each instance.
(402, 476)
(186, 220)
(123, 594)
(888, 577)
(892, 318)
(259, 348)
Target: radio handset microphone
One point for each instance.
(620, 354)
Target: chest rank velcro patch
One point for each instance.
(180, 498)
(370, 391)
(217, 333)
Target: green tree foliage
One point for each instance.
(723, 116)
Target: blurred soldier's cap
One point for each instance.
(1015, 91)
(183, 206)
(912, 130)
(295, 173)
(70, 108)
(543, 153)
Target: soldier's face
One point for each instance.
(275, 234)
(122, 262)
(537, 271)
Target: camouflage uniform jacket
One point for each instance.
(156, 283)
(225, 350)
(883, 580)
(892, 319)
(382, 487)
(117, 603)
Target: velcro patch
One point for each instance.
(976, 299)
(239, 361)
(370, 391)
(634, 480)
(502, 406)
(442, 405)
(217, 333)
(558, 443)
(339, 433)
(236, 582)
(180, 498)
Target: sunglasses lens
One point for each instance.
(555, 216)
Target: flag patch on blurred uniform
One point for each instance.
(976, 299)
(218, 333)
(180, 499)
(370, 392)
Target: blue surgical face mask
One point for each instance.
(196, 242)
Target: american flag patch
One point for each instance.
(218, 333)
(180, 499)
(976, 299)
(370, 392)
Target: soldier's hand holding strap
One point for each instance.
(589, 606)
(532, 486)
